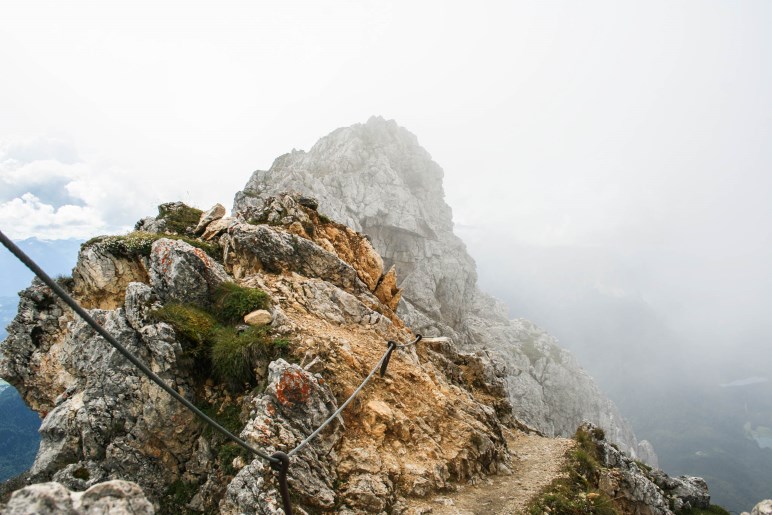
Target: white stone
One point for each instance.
(258, 318)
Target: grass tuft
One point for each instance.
(178, 216)
(218, 347)
(235, 352)
(232, 302)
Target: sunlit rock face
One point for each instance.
(436, 419)
(377, 179)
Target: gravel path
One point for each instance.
(536, 462)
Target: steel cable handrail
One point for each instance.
(279, 460)
(29, 263)
(382, 361)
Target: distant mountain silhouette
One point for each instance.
(18, 434)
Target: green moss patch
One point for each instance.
(191, 322)
(139, 244)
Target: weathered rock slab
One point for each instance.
(116, 497)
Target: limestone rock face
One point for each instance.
(115, 497)
(102, 277)
(101, 417)
(646, 453)
(376, 178)
(260, 247)
(640, 490)
(184, 273)
(294, 404)
(435, 419)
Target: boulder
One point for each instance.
(183, 273)
(116, 497)
(258, 318)
(214, 213)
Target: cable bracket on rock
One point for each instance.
(392, 347)
(380, 365)
(281, 466)
(385, 361)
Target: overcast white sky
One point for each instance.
(641, 129)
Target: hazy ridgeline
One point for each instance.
(694, 380)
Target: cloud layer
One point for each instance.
(48, 192)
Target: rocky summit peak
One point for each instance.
(376, 178)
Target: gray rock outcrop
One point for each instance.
(377, 179)
(115, 497)
(640, 489)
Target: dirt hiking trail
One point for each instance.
(536, 462)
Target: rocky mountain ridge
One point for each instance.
(377, 179)
(323, 303)
(419, 429)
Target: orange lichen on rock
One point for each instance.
(293, 388)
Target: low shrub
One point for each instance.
(192, 323)
(227, 453)
(232, 302)
(226, 414)
(179, 216)
(235, 353)
(281, 344)
(176, 498)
